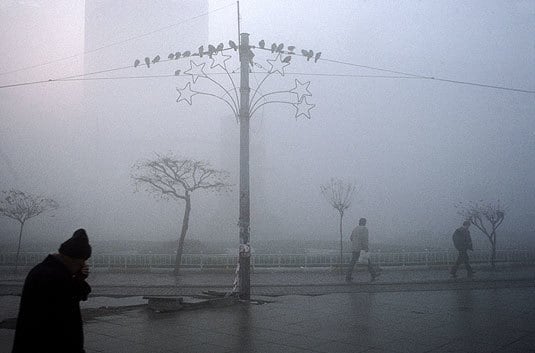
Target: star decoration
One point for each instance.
(301, 89)
(185, 94)
(277, 65)
(195, 70)
(219, 60)
(303, 108)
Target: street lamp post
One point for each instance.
(244, 199)
(243, 106)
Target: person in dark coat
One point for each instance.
(359, 241)
(462, 242)
(49, 317)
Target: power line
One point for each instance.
(434, 78)
(481, 85)
(26, 83)
(224, 73)
(351, 64)
(115, 43)
(477, 84)
(81, 77)
(375, 68)
(130, 66)
(73, 77)
(406, 74)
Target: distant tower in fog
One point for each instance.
(116, 33)
(114, 21)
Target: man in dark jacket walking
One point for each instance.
(49, 317)
(359, 241)
(462, 242)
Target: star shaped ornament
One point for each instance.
(277, 65)
(219, 60)
(185, 94)
(301, 89)
(195, 70)
(303, 108)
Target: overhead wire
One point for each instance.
(374, 68)
(482, 85)
(434, 78)
(425, 77)
(117, 42)
(80, 77)
(406, 74)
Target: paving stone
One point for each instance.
(432, 317)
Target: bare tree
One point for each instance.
(22, 206)
(176, 178)
(487, 217)
(339, 194)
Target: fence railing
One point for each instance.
(201, 261)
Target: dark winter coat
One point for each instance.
(359, 239)
(462, 240)
(49, 315)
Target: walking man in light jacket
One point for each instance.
(359, 241)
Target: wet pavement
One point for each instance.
(418, 310)
(280, 281)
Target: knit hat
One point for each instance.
(77, 246)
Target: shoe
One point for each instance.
(348, 279)
(453, 275)
(471, 274)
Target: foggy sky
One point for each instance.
(413, 147)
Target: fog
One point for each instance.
(414, 147)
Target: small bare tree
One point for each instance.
(22, 206)
(487, 217)
(170, 177)
(339, 194)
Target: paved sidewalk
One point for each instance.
(468, 321)
(285, 282)
(405, 310)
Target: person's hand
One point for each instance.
(85, 269)
(84, 272)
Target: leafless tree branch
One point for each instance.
(339, 194)
(169, 176)
(487, 217)
(22, 206)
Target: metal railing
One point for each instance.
(202, 261)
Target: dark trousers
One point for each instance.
(354, 260)
(462, 259)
